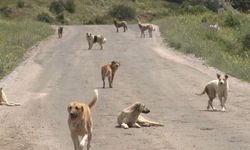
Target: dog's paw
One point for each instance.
(214, 109)
(223, 109)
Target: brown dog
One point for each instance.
(80, 122)
(119, 24)
(217, 87)
(4, 101)
(144, 27)
(109, 70)
(60, 32)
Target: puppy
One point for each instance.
(60, 32)
(144, 27)
(80, 122)
(92, 39)
(119, 24)
(130, 117)
(214, 87)
(109, 71)
(4, 101)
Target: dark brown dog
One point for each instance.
(60, 32)
(119, 24)
(109, 71)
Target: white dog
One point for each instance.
(92, 39)
(214, 26)
(4, 101)
(214, 87)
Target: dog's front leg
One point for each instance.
(89, 140)
(82, 143)
(75, 142)
(110, 81)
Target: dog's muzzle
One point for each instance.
(145, 110)
(73, 115)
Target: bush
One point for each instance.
(70, 6)
(123, 12)
(45, 17)
(20, 4)
(231, 21)
(6, 11)
(56, 7)
(246, 42)
(60, 18)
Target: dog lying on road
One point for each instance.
(214, 87)
(92, 39)
(130, 117)
(60, 32)
(80, 122)
(119, 24)
(144, 27)
(4, 101)
(109, 71)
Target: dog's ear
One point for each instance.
(226, 76)
(82, 108)
(218, 76)
(1, 89)
(69, 107)
(112, 62)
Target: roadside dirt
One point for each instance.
(58, 71)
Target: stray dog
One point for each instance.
(119, 24)
(80, 122)
(144, 27)
(214, 87)
(4, 101)
(130, 117)
(60, 32)
(109, 70)
(214, 27)
(92, 39)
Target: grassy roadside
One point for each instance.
(16, 38)
(222, 49)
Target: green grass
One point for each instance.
(222, 49)
(16, 38)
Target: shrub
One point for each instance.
(45, 17)
(70, 6)
(60, 18)
(6, 11)
(246, 42)
(20, 4)
(56, 7)
(231, 21)
(123, 12)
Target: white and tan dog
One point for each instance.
(119, 24)
(214, 87)
(80, 122)
(109, 70)
(4, 101)
(92, 39)
(144, 27)
(130, 117)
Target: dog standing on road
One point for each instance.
(109, 71)
(4, 101)
(214, 87)
(80, 122)
(92, 39)
(144, 27)
(130, 117)
(60, 32)
(119, 24)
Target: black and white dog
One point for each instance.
(92, 39)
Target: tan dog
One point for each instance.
(214, 87)
(119, 24)
(80, 122)
(60, 32)
(109, 71)
(130, 117)
(92, 39)
(144, 27)
(4, 101)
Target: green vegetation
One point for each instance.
(16, 38)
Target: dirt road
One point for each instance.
(61, 70)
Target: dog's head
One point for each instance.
(141, 108)
(75, 109)
(115, 64)
(222, 79)
(88, 35)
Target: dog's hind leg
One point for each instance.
(89, 140)
(124, 125)
(137, 125)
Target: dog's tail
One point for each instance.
(203, 92)
(10, 104)
(94, 100)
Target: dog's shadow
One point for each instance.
(218, 111)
